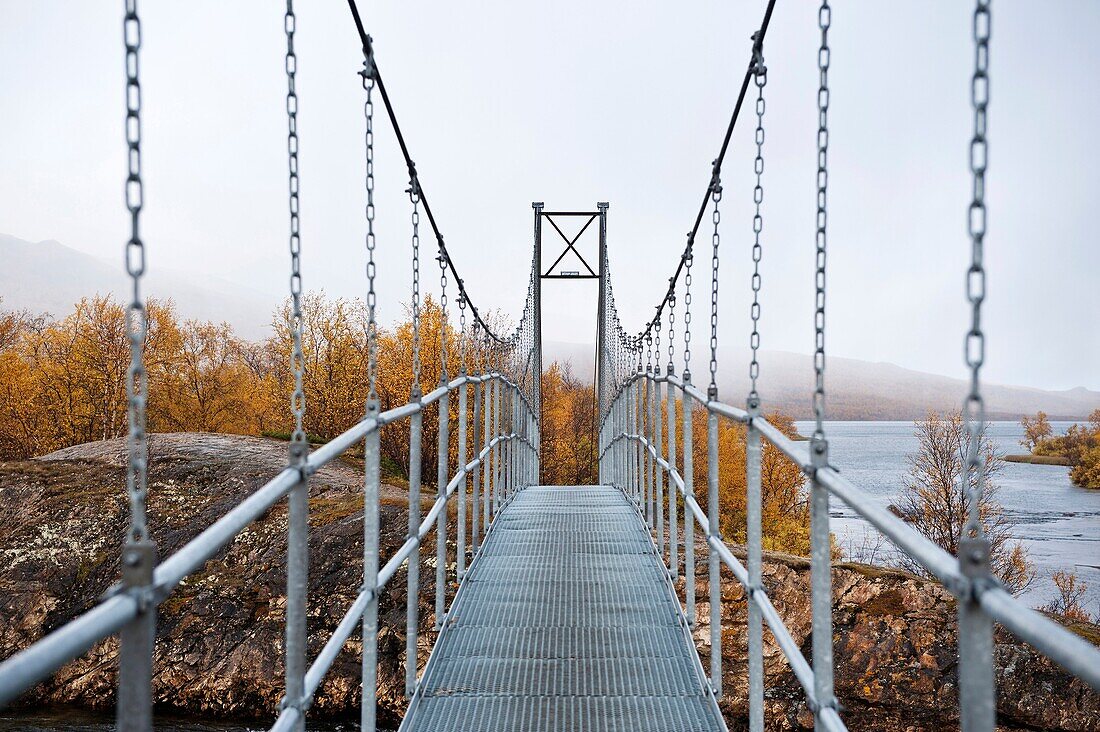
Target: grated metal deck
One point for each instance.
(566, 621)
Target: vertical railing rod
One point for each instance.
(659, 499)
(487, 473)
(689, 518)
(670, 406)
(475, 478)
(137, 640)
(821, 585)
(754, 538)
(371, 464)
(413, 606)
(442, 479)
(713, 533)
(651, 464)
(297, 576)
(460, 537)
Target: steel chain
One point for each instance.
(414, 196)
(372, 300)
(462, 328)
(671, 329)
(715, 240)
(974, 410)
(824, 19)
(688, 257)
(442, 317)
(297, 359)
(136, 316)
(760, 76)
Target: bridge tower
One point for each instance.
(555, 272)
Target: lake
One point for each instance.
(1057, 522)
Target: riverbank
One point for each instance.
(219, 636)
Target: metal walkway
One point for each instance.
(566, 621)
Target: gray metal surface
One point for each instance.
(565, 621)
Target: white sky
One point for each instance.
(575, 102)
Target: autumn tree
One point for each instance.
(1036, 429)
(934, 501)
(1068, 603)
(785, 518)
(568, 428)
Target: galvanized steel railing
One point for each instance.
(507, 461)
(634, 457)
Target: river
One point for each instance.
(1057, 522)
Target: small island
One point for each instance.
(1078, 448)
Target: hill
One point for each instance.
(862, 389)
(49, 277)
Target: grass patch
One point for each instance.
(1038, 459)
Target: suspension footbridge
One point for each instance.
(566, 615)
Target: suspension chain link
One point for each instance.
(974, 411)
(671, 328)
(824, 19)
(462, 329)
(372, 300)
(136, 317)
(760, 76)
(442, 259)
(688, 257)
(414, 196)
(715, 240)
(298, 444)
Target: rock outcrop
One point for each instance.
(219, 636)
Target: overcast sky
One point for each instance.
(574, 102)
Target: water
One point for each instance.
(1057, 522)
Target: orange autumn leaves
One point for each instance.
(64, 383)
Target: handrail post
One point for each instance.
(712, 536)
(487, 473)
(821, 583)
(412, 608)
(297, 579)
(460, 537)
(659, 475)
(498, 394)
(639, 456)
(475, 477)
(689, 518)
(670, 401)
(977, 688)
(620, 445)
(509, 475)
(754, 538)
(137, 640)
(441, 492)
(651, 464)
(371, 464)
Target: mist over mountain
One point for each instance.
(49, 277)
(858, 389)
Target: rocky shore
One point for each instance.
(219, 637)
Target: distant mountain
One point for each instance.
(862, 389)
(49, 277)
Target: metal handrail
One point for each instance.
(1074, 654)
(24, 669)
